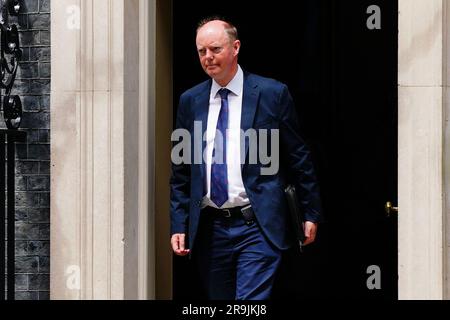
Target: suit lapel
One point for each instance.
(201, 109)
(249, 105)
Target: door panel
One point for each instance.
(343, 78)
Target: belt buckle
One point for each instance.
(248, 215)
(227, 213)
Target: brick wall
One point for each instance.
(33, 157)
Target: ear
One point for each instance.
(236, 47)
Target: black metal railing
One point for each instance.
(8, 140)
(10, 54)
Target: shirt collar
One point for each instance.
(235, 85)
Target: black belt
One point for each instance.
(245, 212)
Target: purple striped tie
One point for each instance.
(219, 171)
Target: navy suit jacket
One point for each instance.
(266, 104)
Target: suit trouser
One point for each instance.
(234, 258)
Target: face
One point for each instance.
(217, 53)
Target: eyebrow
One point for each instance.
(210, 46)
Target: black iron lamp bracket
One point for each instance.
(10, 54)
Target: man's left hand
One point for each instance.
(310, 232)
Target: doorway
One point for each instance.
(343, 78)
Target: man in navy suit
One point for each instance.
(229, 212)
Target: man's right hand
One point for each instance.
(178, 242)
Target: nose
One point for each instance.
(209, 55)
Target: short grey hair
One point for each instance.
(230, 29)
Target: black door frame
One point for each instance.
(332, 64)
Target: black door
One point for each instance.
(343, 78)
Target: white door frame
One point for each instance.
(105, 148)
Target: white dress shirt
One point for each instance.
(236, 191)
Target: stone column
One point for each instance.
(446, 147)
(101, 243)
(423, 57)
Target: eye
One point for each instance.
(202, 52)
(217, 49)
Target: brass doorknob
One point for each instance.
(389, 208)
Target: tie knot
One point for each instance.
(224, 93)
